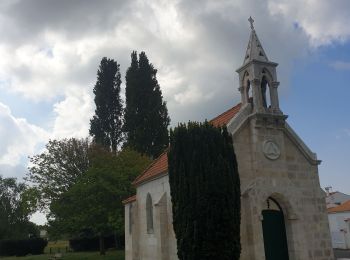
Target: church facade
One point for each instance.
(283, 210)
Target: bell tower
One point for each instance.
(258, 78)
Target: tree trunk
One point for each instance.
(116, 240)
(102, 244)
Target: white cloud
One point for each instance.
(47, 70)
(73, 114)
(323, 21)
(340, 65)
(18, 137)
(183, 35)
(192, 95)
(51, 50)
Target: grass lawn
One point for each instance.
(110, 255)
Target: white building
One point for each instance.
(283, 208)
(335, 198)
(339, 224)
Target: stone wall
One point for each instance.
(340, 229)
(292, 180)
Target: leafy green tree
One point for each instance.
(205, 192)
(146, 116)
(55, 170)
(15, 210)
(106, 124)
(94, 202)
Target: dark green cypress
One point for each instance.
(205, 192)
(146, 115)
(106, 124)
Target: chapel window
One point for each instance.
(149, 213)
(130, 219)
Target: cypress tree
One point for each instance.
(106, 124)
(205, 192)
(146, 115)
(132, 97)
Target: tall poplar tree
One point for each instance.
(146, 114)
(106, 124)
(205, 192)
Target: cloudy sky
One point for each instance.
(50, 51)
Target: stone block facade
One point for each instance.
(293, 181)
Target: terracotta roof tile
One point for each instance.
(341, 208)
(130, 199)
(225, 117)
(160, 165)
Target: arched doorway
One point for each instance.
(274, 231)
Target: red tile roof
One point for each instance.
(225, 117)
(341, 208)
(160, 165)
(130, 199)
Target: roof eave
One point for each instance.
(129, 200)
(335, 212)
(144, 181)
(244, 66)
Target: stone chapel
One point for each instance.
(283, 210)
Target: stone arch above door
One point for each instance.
(261, 189)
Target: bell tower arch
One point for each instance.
(258, 75)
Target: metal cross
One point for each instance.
(251, 20)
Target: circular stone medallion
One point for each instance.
(271, 150)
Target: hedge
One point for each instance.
(205, 192)
(90, 243)
(22, 247)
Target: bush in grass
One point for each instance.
(22, 247)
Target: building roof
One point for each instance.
(341, 208)
(336, 193)
(224, 118)
(130, 199)
(159, 166)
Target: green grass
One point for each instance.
(110, 255)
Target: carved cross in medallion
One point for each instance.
(271, 150)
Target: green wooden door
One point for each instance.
(275, 240)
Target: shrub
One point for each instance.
(205, 192)
(22, 247)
